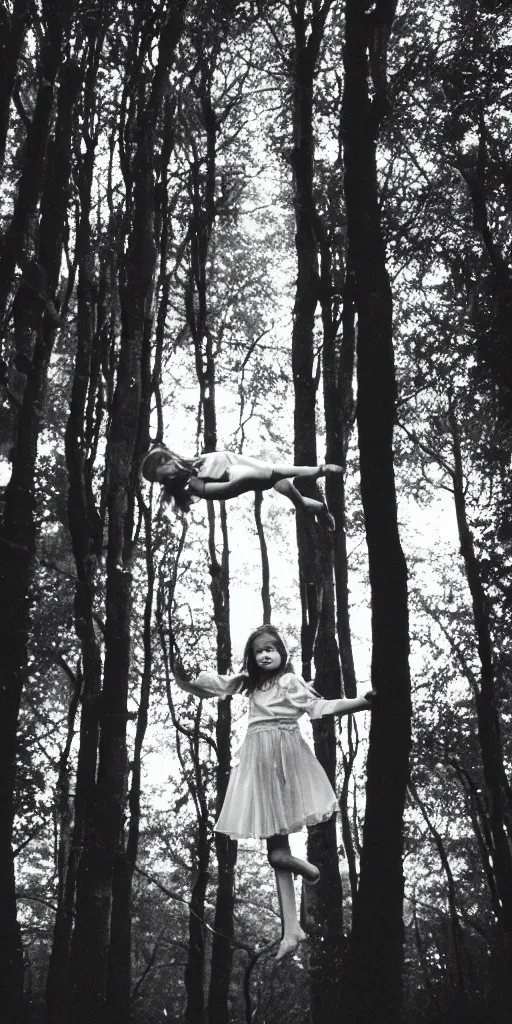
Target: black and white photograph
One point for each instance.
(255, 512)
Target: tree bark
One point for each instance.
(489, 732)
(144, 241)
(202, 222)
(19, 529)
(12, 245)
(12, 35)
(455, 926)
(375, 978)
(101, 955)
(265, 566)
(325, 902)
(226, 848)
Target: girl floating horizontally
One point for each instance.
(223, 475)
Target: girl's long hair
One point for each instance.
(249, 663)
(178, 471)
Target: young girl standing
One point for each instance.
(278, 785)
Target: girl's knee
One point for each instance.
(283, 486)
(277, 843)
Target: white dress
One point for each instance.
(278, 786)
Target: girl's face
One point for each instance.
(266, 654)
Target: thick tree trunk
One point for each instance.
(375, 980)
(144, 240)
(37, 326)
(86, 538)
(102, 938)
(56, 985)
(12, 34)
(12, 245)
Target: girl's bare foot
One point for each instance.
(330, 467)
(325, 517)
(290, 943)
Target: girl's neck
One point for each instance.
(269, 677)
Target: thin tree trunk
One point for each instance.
(455, 926)
(265, 566)
(325, 902)
(375, 979)
(226, 848)
(339, 405)
(489, 733)
(202, 221)
(480, 822)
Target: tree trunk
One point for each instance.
(12, 245)
(202, 221)
(489, 733)
(139, 322)
(325, 902)
(86, 538)
(36, 325)
(226, 848)
(339, 405)
(375, 979)
(265, 566)
(455, 926)
(56, 985)
(12, 34)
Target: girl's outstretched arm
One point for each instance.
(347, 705)
(209, 684)
(302, 695)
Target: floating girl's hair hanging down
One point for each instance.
(174, 483)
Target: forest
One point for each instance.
(281, 228)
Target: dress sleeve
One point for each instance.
(303, 696)
(210, 684)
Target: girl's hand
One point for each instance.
(370, 696)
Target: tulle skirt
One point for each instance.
(277, 787)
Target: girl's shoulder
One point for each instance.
(296, 688)
(288, 679)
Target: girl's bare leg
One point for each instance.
(253, 475)
(293, 934)
(311, 506)
(281, 471)
(281, 859)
